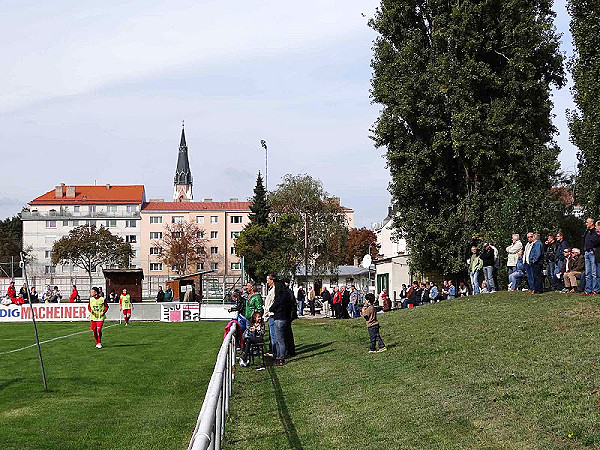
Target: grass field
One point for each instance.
(143, 390)
(500, 371)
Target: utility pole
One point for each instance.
(263, 143)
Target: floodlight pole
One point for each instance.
(37, 338)
(263, 143)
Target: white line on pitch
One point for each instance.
(53, 339)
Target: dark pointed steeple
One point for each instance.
(183, 174)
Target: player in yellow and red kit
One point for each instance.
(97, 307)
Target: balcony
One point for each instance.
(69, 215)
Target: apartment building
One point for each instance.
(53, 214)
(221, 223)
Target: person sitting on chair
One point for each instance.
(252, 336)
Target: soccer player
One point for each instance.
(97, 307)
(125, 306)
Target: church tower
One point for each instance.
(183, 175)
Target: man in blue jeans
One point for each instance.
(269, 299)
(536, 263)
(281, 309)
(591, 242)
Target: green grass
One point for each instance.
(143, 390)
(500, 371)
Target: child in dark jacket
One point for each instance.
(253, 335)
(370, 316)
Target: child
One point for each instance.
(125, 306)
(253, 335)
(370, 316)
(97, 307)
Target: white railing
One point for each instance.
(211, 420)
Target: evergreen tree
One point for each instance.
(584, 124)
(466, 120)
(258, 204)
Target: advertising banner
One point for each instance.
(180, 312)
(45, 312)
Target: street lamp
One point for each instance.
(263, 143)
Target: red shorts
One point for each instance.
(96, 324)
(126, 311)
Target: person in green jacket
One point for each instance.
(169, 294)
(254, 303)
(475, 265)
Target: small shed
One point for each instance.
(119, 279)
(188, 287)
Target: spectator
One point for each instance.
(33, 295)
(288, 335)
(424, 289)
(254, 304)
(433, 292)
(253, 335)
(240, 305)
(483, 289)
(74, 297)
(496, 266)
(269, 299)
(488, 259)
(311, 300)
(168, 297)
(512, 250)
(412, 295)
(20, 300)
(11, 292)
(463, 291)
(370, 315)
(160, 295)
(301, 297)
(385, 300)
(281, 312)
(382, 296)
(23, 291)
(526, 264)
(403, 293)
(56, 295)
(353, 302)
(559, 256)
(47, 295)
(475, 265)
(112, 297)
(337, 303)
(536, 262)
(514, 279)
(327, 305)
(591, 242)
(572, 269)
(451, 290)
(549, 258)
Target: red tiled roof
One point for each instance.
(196, 206)
(94, 195)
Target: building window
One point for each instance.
(155, 266)
(214, 234)
(131, 208)
(75, 269)
(214, 266)
(65, 223)
(49, 269)
(111, 224)
(155, 250)
(199, 219)
(76, 209)
(66, 269)
(111, 208)
(235, 266)
(233, 250)
(49, 239)
(91, 223)
(48, 254)
(236, 219)
(92, 209)
(155, 219)
(155, 235)
(200, 266)
(131, 238)
(133, 253)
(176, 234)
(235, 234)
(200, 234)
(214, 250)
(76, 223)
(214, 219)
(130, 223)
(177, 219)
(50, 223)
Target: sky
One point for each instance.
(96, 92)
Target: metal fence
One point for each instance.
(211, 420)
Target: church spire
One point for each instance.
(183, 174)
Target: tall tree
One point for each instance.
(584, 123)
(321, 220)
(360, 241)
(183, 246)
(11, 240)
(466, 119)
(91, 247)
(258, 204)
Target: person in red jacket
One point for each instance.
(337, 303)
(74, 295)
(11, 292)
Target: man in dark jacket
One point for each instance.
(591, 242)
(345, 302)
(281, 314)
(559, 257)
(326, 296)
(488, 258)
(549, 260)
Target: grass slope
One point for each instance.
(143, 390)
(497, 371)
